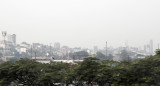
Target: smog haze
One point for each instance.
(83, 23)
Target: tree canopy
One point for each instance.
(144, 72)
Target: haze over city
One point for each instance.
(79, 43)
(82, 23)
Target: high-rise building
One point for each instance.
(57, 45)
(12, 38)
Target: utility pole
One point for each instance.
(106, 49)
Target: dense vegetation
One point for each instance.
(145, 72)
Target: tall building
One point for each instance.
(57, 45)
(12, 38)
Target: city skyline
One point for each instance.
(82, 23)
(12, 38)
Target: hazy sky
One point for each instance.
(82, 23)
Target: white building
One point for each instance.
(12, 38)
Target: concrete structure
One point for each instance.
(12, 38)
(50, 59)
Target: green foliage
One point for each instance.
(79, 55)
(110, 57)
(100, 55)
(14, 59)
(144, 72)
(88, 69)
(157, 51)
(124, 56)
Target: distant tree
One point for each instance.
(148, 71)
(70, 75)
(124, 56)
(100, 55)
(14, 59)
(6, 74)
(157, 52)
(79, 55)
(105, 74)
(88, 70)
(23, 71)
(143, 72)
(110, 57)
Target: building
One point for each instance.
(12, 38)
